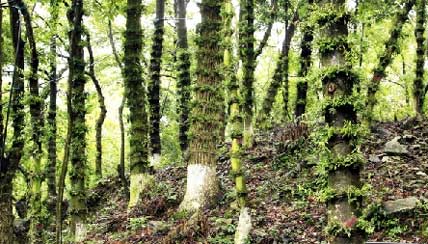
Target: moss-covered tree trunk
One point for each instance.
(78, 158)
(135, 96)
(121, 166)
(10, 163)
(391, 49)
(155, 82)
(305, 64)
(183, 75)
(418, 83)
(51, 117)
(103, 110)
(207, 112)
(342, 161)
(280, 75)
(248, 57)
(35, 104)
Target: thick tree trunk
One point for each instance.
(154, 87)
(391, 49)
(103, 110)
(135, 94)
(183, 76)
(51, 117)
(77, 81)
(10, 163)
(418, 83)
(343, 160)
(247, 55)
(207, 113)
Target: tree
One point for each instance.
(154, 86)
(51, 117)
(135, 95)
(305, 64)
(280, 75)
(78, 158)
(391, 49)
(207, 112)
(342, 162)
(418, 83)
(183, 75)
(247, 55)
(103, 109)
(10, 163)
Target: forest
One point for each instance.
(213, 121)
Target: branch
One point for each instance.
(268, 31)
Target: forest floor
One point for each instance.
(283, 185)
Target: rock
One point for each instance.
(409, 138)
(415, 147)
(400, 205)
(374, 158)
(422, 174)
(394, 147)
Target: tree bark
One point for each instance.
(103, 110)
(154, 86)
(78, 159)
(268, 32)
(135, 95)
(51, 117)
(247, 55)
(183, 77)
(207, 113)
(11, 162)
(418, 83)
(342, 162)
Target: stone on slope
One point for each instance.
(400, 205)
(394, 147)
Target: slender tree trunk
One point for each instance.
(418, 83)
(305, 64)
(51, 117)
(103, 110)
(141, 177)
(247, 55)
(35, 104)
(281, 71)
(183, 76)
(391, 49)
(121, 166)
(78, 130)
(10, 163)
(63, 172)
(154, 86)
(343, 162)
(207, 113)
(267, 34)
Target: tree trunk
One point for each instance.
(247, 55)
(10, 163)
(135, 96)
(103, 110)
(154, 87)
(391, 49)
(305, 64)
(35, 104)
(207, 113)
(183, 76)
(51, 118)
(343, 162)
(281, 72)
(78, 130)
(418, 83)
(121, 166)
